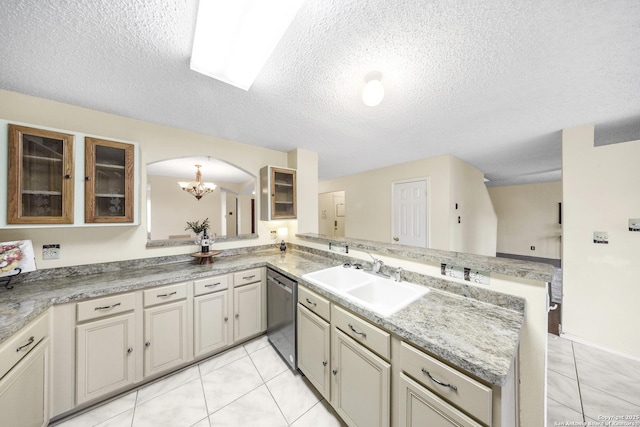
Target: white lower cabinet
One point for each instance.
(212, 320)
(418, 407)
(165, 337)
(104, 356)
(247, 308)
(361, 383)
(24, 369)
(314, 339)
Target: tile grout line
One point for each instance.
(575, 366)
(135, 406)
(204, 396)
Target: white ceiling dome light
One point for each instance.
(373, 91)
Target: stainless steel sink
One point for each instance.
(376, 293)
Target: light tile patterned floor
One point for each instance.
(249, 385)
(585, 384)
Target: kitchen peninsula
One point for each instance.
(476, 331)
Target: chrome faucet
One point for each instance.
(377, 266)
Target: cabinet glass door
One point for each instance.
(283, 193)
(109, 181)
(40, 176)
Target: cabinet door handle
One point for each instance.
(451, 386)
(31, 340)
(166, 295)
(325, 363)
(335, 372)
(107, 307)
(147, 344)
(355, 331)
(129, 350)
(311, 302)
(248, 277)
(211, 285)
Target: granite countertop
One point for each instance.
(508, 267)
(476, 336)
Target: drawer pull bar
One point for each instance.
(311, 302)
(249, 277)
(451, 386)
(31, 340)
(107, 307)
(166, 295)
(355, 331)
(211, 285)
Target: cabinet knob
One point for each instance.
(87, 178)
(67, 176)
(237, 316)
(226, 319)
(324, 363)
(335, 372)
(147, 344)
(129, 350)
(396, 239)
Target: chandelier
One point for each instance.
(197, 187)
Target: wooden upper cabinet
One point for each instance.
(278, 193)
(40, 181)
(109, 181)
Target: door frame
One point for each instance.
(427, 203)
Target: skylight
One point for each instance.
(234, 39)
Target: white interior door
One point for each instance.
(409, 213)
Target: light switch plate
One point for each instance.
(601, 237)
(51, 251)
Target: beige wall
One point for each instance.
(476, 231)
(368, 204)
(601, 187)
(102, 244)
(528, 216)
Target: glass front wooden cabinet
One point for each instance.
(109, 181)
(278, 193)
(40, 181)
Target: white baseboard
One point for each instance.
(598, 346)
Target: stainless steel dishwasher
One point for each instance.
(282, 297)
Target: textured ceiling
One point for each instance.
(491, 82)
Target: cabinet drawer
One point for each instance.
(106, 306)
(210, 284)
(314, 302)
(16, 347)
(247, 276)
(466, 393)
(164, 294)
(362, 331)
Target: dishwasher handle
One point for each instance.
(278, 283)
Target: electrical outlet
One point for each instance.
(601, 237)
(51, 251)
(451, 271)
(274, 234)
(476, 276)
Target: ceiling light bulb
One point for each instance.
(373, 92)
